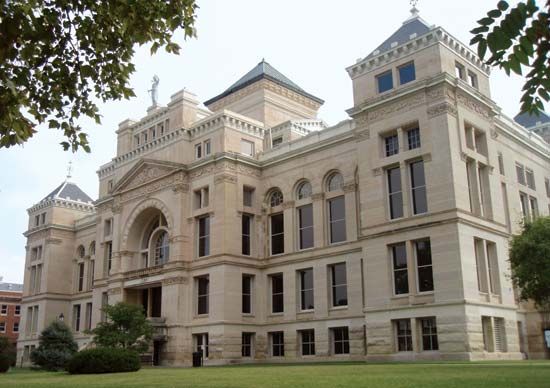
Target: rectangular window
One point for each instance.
(487, 328)
(492, 267)
(533, 207)
(520, 172)
(203, 289)
(472, 79)
(109, 255)
(306, 289)
(337, 219)
(201, 344)
(2, 327)
(305, 226)
(38, 280)
(277, 340)
(307, 340)
(391, 145)
(340, 340)
(276, 142)
(339, 284)
(277, 234)
(17, 309)
(37, 220)
(429, 334)
(500, 334)
(76, 317)
(15, 327)
(104, 302)
(459, 71)
(247, 147)
(501, 164)
(4, 309)
(525, 205)
(384, 82)
(43, 218)
(277, 293)
(547, 186)
(91, 269)
(418, 187)
(400, 272)
(479, 251)
(204, 236)
(246, 222)
(247, 344)
(88, 325)
(413, 138)
(201, 197)
(207, 147)
(406, 73)
(404, 335)
(108, 227)
(395, 193)
(198, 151)
(153, 133)
(248, 193)
(424, 265)
(247, 294)
(80, 277)
(530, 178)
(480, 141)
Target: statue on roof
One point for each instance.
(154, 90)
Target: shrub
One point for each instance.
(104, 360)
(56, 347)
(7, 354)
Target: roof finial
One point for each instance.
(69, 170)
(414, 10)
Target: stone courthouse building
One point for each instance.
(250, 229)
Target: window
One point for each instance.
(530, 178)
(487, 329)
(153, 133)
(384, 82)
(395, 193)
(492, 267)
(43, 218)
(207, 148)
(81, 252)
(472, 79)
(335, 182)
(501, 164)
(500, 334)
(248, 195)
(204, 236)
(144, 137)
(305, 226)
(246, 222)
(533, 207)
(424, 265)
(198, 151)
(340, 340)
(429, 334)
(247, 344)
(247, 294)
(37, 220)
(201, 344)
(203, 288)
(404, 335)
(201, 198)
(307, 340)
(162, 248)
(520, 172)
(276, 198)
(276, 142)
(400, 272)
(406, 73)
(80, 277)
(91, 274)
(104, 302)
(306, 289)
(92, 248)
(108, 227)
(17, 309)
(304, 190)
(480, 141)
(88, 324)
(277, 293)
(339, 284)
(277, 340)
(76, 317)
(15, 327)
(247, 147)
(109, 255)
(337, 219)
(277, 234)
(413, 138)
(2, 327)
(391, 144)
(547, 187)
(459, 71)
(524, 200)
(418, 186)
(4, 309)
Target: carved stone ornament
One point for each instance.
(174, 280)
(391, 108)
(225, 178)
(377, 171)
(473, 105)
(114, 291)
(362, 135)
(318, 196)
(440, 109)
(180, 188)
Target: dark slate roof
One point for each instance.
(263, 70)
(70, 191)
(531, 120)
(13, 287)
(413, 25)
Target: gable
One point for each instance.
(146, 171)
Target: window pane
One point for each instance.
(395, 194)
(306, 289)
(413, 138)
(423, 252)
(385, 82)
(277, 293)
(246, 234)
(400, 273)
(246, 294)
(391, 144)
(305, 214)
(277, 234)
(418, 184)
(339, 285)
(407, 73)
(337, 210)
(425, 279)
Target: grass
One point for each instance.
(523, 374)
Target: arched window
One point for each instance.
(304, 190)
(92, 248)
(80, 251)
(162, 248)
(335, 182)
(276, 198)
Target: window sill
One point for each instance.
(249, 315)
(310, 311)
(400, 296)
(334, 244)
(337, 308)
(422, 293)
(200, 316)
(276, 314)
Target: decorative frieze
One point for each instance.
(225, 178)
(402, 105)
(473, 105)
(174, 280)
(440, 109)
(318, 196)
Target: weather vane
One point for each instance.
(414, 3)
(69, 170)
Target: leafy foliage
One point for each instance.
(530, 261)
(125, 327)
(56, 347)
(57, 55)
(7, 354)
(521, 39)
(104, 360)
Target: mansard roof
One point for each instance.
(263, 70)
(11, 287)
(69, 191)
(529, 120)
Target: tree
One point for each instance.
(7, 354)
(57, 55)
(530, 262)
(55, 348)
(125, 327)
(521, 39)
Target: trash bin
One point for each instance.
(197, 359)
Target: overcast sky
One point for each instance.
(311, 42)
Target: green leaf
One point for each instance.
(502, 5)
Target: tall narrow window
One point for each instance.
(76, 317)
(472, 79)
(277, 293)
(384, 81)
(247, 294)
(391, 144)
(162, 248)
(424, 265)
(395, 193)
(201, 344)
(207, 147)
(88, 324)
(520, 172)
(524, 200)
(198, 151)
(500, 164)
(339, 284)
(203, 292)
(547, 186)
(404, 335)
(534, 207)
(500, 334)
(400, 272)
(307, 340)
(305, 226)
(459, 71)
(109, 255)
(406, 73)
(413, 138)
(306, 289)
(277, 340)
(418, 186)
(246, 221)
(80, 277)
(204, 236)
(247, 344)
(277, 234)
(340, 340)
(429, 334)
(248, 193)
(337, 219)
(492, 267)
(481, 269)
(530, 179)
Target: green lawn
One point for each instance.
(423, 375)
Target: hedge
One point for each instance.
(104, 360)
